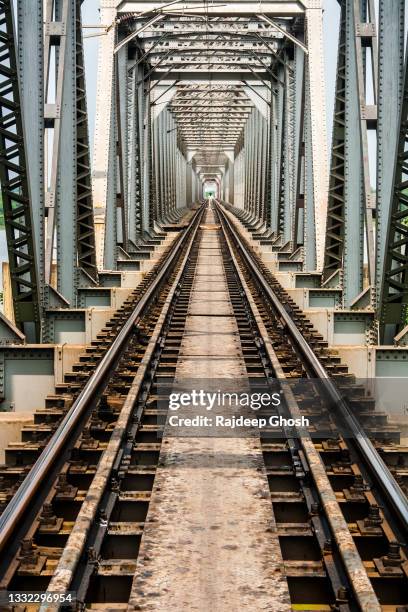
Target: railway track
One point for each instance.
(105, 512)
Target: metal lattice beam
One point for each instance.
(394, 293)
(334, 245)
(85, 220)
(15, 186)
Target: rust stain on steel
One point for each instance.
(353, 563)
(61, 580)
(210, 539)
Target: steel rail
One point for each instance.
(26, 493)
(378, 469)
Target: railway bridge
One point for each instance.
(204, 331)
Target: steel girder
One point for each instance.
(86, 250)
(287, 165)
(315, 141)
(15, 186)
(68, 196)
(31, 65)
(351, 202)
(393, 300)
(390, 84)
(334, 246)
(298, 172)
(285, 8)
(352, 205)
(122, 154)
(185, 26)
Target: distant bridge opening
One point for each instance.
(210, 189)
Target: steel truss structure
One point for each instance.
(230, 95)
(368, 97)
(225, 93)
(15, 186)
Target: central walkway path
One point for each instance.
(210, 540)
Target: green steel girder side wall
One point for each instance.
(309, 226)
(269, 171)
(172, 172)
(353, 172)
(146, 158)
(334, 245)
(152, 184)
(394, 293)
(64, 161)
(68, 195)
(110, 242)
(30, 60)
(278, 101)
(256, 145)
(122, 102)
(287, 170)
(290, 166)
(15, 186)
(85, 221)
(351, 205)
(365, 36)
(134, 152)
(298, 88)
(390, 83)
(299, 207)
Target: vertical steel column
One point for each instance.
(140, 210)
(274, 158)
(31, 67)
(256, 163)
(350, 190)
(146, 157)
(163, 175)
(60, 117)
(252, 164)
(152, 214)
(104, 142)
(290, 152)
(110, 227)
(15, 186)
(86, 251)
(298, 152)
(390, 70)
(334, 244)
(269, 161)
(394, 291)
(309, 210)
(166, 159)
(316, 129)
(122, 154)
(155, 168)
(283, 159)
(279, 147)
(353, 197)
(132, 146)
(246, 166)
(365, 35)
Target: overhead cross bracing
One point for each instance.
(211, 115)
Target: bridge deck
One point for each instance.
(210, 540)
